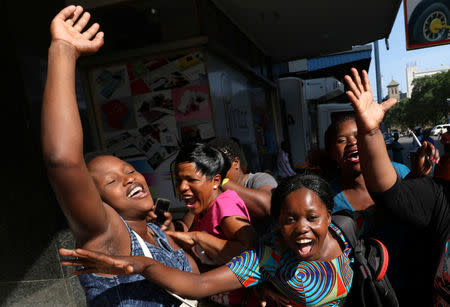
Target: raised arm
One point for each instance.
(256, 200)
(62, 136)
(180, 282)
(377, 169)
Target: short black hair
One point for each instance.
(227, 146)
(208, 160)
(307, 180)
(330, 133)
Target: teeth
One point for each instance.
(134, 191)
(304, 241)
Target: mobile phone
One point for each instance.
(162, 205)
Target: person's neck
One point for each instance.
(139, 226)
(353, 180)
(215, 194)
(241, 178)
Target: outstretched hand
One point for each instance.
(99, 263)
(68, 27)
(369, 113)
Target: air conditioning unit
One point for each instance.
(323, 88)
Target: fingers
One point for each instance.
(436, 155)
(353, 99)
(82, 22)
(388, 104)
(152, 215)
(98, 41)
(366, 82)
(66, 252)
(353, 87)
(130, 269)
(357, 79)
(70, 20)
(65, 13)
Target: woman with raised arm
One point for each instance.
(107, 201)
(423, 202)
(307, 259)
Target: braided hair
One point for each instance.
(307, 180)
(208, 160)
(227, 146)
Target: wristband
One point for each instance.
(225, 180)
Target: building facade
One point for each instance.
(412, 73)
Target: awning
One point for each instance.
(292, 29)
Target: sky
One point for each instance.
(393, 62)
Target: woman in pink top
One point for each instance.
(221, 227)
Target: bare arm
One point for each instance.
(62, 136)
(238, 231)
(257, 201)
(180, 282)
(377, 169)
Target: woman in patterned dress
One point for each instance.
(306, 260)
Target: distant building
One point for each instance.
(393, 91)
(412, 73)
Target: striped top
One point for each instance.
(305, 283)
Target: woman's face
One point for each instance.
(304, 221)
(197, 191)
(121, 186)
(345, 148)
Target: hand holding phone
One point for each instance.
(162, 205)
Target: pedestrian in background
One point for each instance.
(284, 168)
(397, 150)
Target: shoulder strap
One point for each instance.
(147, 253)
(144, 246)
(344, 221)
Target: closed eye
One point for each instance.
(111, 181)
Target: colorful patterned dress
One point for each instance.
(305, 283)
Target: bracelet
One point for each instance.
(225, 180)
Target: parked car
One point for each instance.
(439, 129)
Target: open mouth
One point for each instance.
(304, 247)
(352, 157)
(189, 201)
(136, 191)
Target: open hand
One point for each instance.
(100, 263)
(68, 27)
(369, 113)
